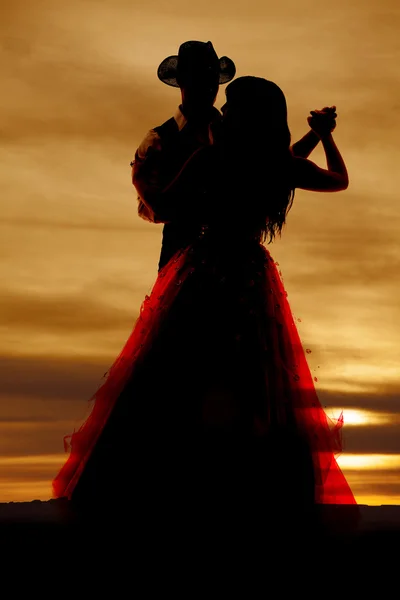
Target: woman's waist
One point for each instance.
(226, 247)
(234, 236)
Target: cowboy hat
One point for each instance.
(195, 56)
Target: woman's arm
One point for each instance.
(334, 159)
(185, 195)
(303, 147)
(308, 176)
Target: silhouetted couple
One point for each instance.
(209, 414)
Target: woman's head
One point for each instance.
(254, 101)
(255, 90)
(256, 142)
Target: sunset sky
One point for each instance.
(78, 93)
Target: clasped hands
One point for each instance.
(323, 122)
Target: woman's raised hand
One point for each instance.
(323, 122)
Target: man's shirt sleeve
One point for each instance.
(146, 173)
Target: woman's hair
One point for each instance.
(256, 153)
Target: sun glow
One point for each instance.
(354, 417)
(369, 461)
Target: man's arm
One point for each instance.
(148, 174)
(304, 147)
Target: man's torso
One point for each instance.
(177, 139)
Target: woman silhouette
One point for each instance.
(211, 402)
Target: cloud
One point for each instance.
(48, 389)
(377, 484)
(79, 91)
(22, 440)
(37, 380)
(377, 439)
(30, 223)
(79, 312)
(62, 80)
(385, 399)
(342, 240)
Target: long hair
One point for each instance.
(256, 153)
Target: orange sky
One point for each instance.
(78, 92)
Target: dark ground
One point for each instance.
(48, 539)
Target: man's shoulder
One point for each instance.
(151, 140)
(169, 127)
(154, 137)
(169, 130)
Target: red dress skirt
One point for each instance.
(214, 355)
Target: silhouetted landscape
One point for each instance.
(52, 529)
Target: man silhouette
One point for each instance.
(198, 72)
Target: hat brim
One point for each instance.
(167, 71)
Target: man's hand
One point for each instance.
(323, 122)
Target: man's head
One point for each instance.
(198, 72)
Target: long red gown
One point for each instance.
(215, 354)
